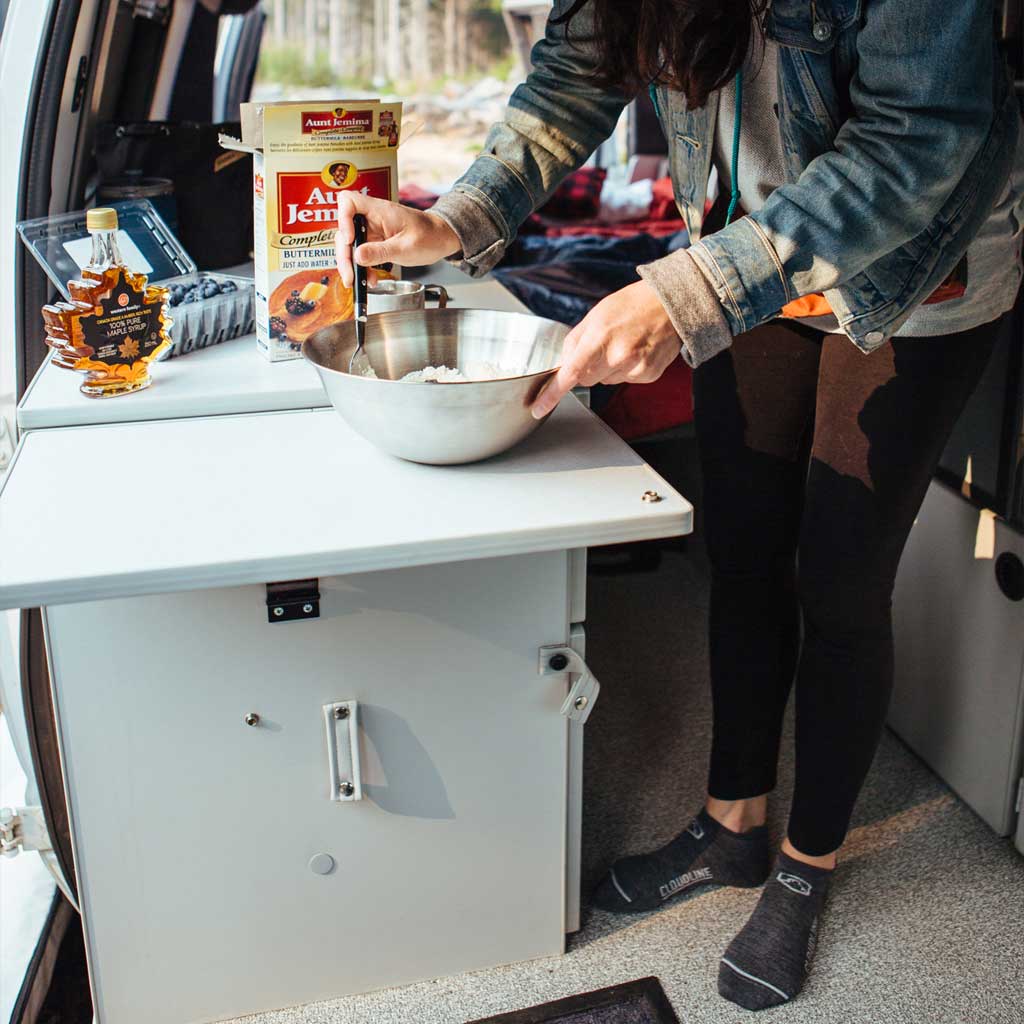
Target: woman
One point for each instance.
(865, 150)
(339, 173)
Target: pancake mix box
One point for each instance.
(304, 154)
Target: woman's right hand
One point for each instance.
(395, 234)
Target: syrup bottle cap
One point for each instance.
(103, 218)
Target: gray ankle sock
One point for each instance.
(769, 960)
(705, 854)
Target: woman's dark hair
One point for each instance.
(693, 46)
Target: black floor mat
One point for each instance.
(635, 1002)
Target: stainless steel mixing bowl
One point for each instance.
(449, 423)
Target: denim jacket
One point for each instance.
(898, 123)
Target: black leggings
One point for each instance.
(816, 454)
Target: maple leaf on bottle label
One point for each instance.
(129, 348)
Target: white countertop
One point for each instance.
(119, 510)
(225, 379)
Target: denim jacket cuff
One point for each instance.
(488, 203)
(746, 273)
(692, 305)
(480, 238)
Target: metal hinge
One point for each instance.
(293, 599)
(22, 828)
(560, 658)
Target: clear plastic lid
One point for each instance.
(62, 245)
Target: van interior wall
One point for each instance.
(192, 98)
(34, 199)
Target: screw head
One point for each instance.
(307, 609)
(558, 662)
(651, 497)
(252, 718)
(279, 611)
(341, 712)
(346, 789)
(580, 703)
(321, 864)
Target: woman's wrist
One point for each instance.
(448, 241)
(480, 240)
(691, 303)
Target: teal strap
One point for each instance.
(652, 91)
(734, 196)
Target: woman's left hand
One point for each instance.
(626, 337)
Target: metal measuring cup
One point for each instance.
(386, 296)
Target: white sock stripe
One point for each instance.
(751, 977)
(615, 882)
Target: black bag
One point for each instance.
(212, 186)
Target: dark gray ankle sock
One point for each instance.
(768, 962)
(705, 854)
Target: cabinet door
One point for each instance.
(959, 653)
(194, 831)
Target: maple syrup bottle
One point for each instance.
(55, 319)
(115, 324)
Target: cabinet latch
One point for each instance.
(293, 599)
(345, 782)
(560, 658)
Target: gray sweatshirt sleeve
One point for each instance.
(692, 305)
(481, 238)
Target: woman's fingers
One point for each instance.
(584, 366)
(391, 250)
(543, 403)
(554, 391)
(343, 255)
(375, 211)
(626, 337)
(395, 234)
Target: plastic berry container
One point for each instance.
(208, 308)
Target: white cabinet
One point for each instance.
(195, 832)
(217, 875)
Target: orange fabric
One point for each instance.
(817, 305)
(810, 305)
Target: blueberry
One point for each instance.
(228, 286)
